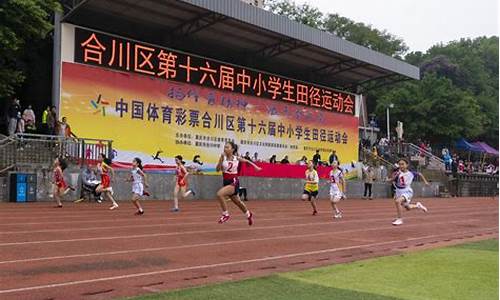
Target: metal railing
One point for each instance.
(412, 150)
(31, 150)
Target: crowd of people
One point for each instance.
(316, 159)
(25, 121)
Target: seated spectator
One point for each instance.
(89, 184)
(272, 160)
(247, 156)
(256, 157)
(285, 160)
(302, 161)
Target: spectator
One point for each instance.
(374, 151)
(196, 165)
(272, 160)
(247, 156)
(65, 129)
(89, 184)
(316, 158)
(20, 126)
(285, 160)
(369, 178)
(302, 161)
(52, 121)
(29, 119)
(490, 169)
(447, 159)
(45, 116)
(461, 166)
(333, 157)
(255, 157)
(14, 114)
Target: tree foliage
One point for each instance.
(23, 22)
(457, 95)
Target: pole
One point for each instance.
(56, 62)
(388, 125)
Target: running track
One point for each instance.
(85, 251)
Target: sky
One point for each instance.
(421, 23)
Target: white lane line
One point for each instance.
(224, 264)
(222, 243)
(208, 223)
(202, 231)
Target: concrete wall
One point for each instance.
(161, 187)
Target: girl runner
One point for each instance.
(311, 186)
(228, 164)
(104, 187)
(138, 179)
(181, 183)
(60, 188)
(337, 188)
(403, 179)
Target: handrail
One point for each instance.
(425, 152)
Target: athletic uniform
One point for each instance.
(59, 179)
(403, 185)
(105, 179)
(230, 173)
(137, 184)
(181, 176)
(336, 176)
(311, 189)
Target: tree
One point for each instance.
(24, 22)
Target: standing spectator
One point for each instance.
(369, 178)
(333, 157)
(490, 169)
(52, 121)
(14, 114)
(196, 166)
(461, 166)
(285, 160)
(447, 159)
(247, 156)
(45, 116)
(29, 119)
(316, 158)
(20, 126)
(65, 129)
(272, 160)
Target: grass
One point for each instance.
(468, 271)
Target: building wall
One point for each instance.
(161, 187)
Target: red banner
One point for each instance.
(281, 170)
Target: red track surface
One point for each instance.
(85, 251)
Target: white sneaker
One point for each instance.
(338, 215)
(114, 206)
(397, 222)
(421, 206)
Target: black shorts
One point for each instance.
(312, 194)
(234, 182)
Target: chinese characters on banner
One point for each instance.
(126, 55)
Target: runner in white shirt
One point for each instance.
(337, 189)
(138, 179)
(402, 180)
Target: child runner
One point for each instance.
(403, 179)
(60, 188)
(104, 187)
(228, 164)
(181, 183)
(311, 186)
(138, 179)
(337, 188)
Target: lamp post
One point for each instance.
(389, 122)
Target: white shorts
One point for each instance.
(138, 188)
(406, 194)
(335, 194)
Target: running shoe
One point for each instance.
(192, 192)
(79, 200)
(139, 213)
(338, 215)
(146, 193)
(114, 206)
(224, 219)
(175, 209)
(421, 207)
(250, 219)
(397, 222)
(315, 212)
